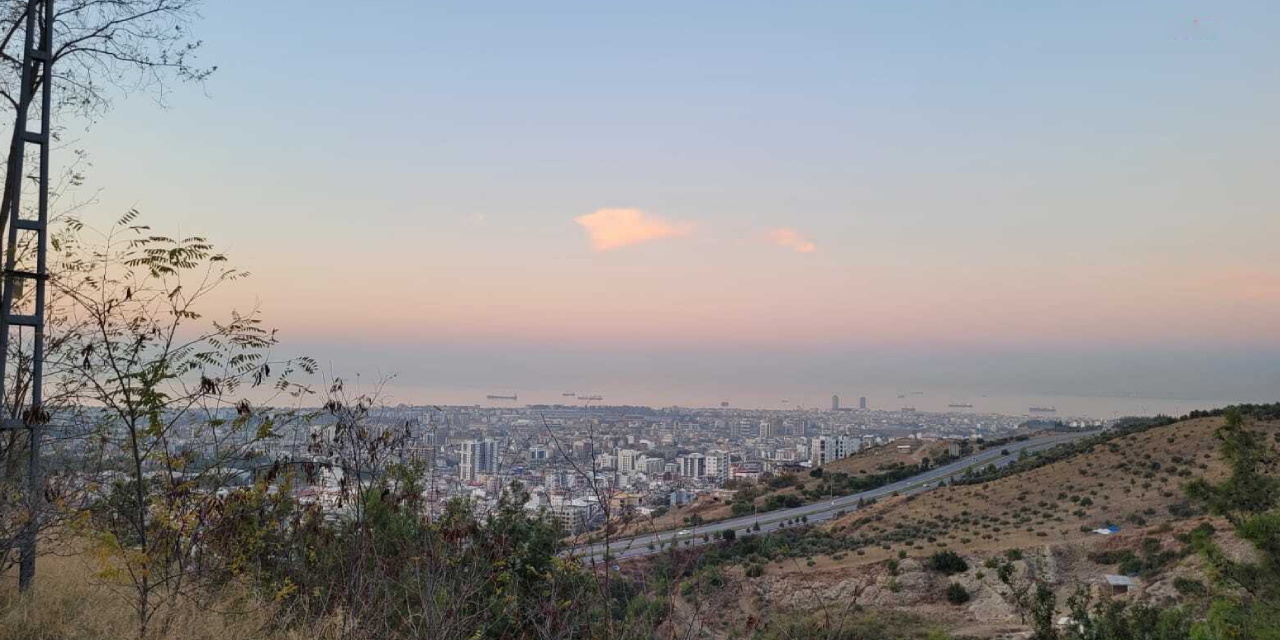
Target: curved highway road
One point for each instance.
(819, 511)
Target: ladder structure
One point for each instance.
(36, 64)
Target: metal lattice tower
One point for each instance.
(36, 63)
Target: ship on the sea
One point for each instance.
(908, 409)
(1043, 410)
(596, 398)
(960, 405)
(569, 394)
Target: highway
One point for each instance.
(819, 511)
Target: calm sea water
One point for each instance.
(932, 400)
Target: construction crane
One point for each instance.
(37, 59)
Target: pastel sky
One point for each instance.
(1039, 197)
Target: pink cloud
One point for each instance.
(615, 228)
(791, 239)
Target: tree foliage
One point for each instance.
(1248, 498)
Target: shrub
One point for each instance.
(755, 571)
(948, 563)
(957, 594)
(1115, 556)
(1189, 587)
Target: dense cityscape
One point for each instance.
(642, 460)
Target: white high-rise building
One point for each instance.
(824, 449)
(693, 465)
(718, 465)
(479, 457)
(606, 461)
(627, 460)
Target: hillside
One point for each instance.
(1131, 482)
(888, 456)
(1042, 520)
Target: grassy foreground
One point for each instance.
(70, 604)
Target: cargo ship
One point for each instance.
(1043, 410)
(960, 405)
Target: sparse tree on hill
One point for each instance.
(1248, 499)
(100, 49)
(162, 390)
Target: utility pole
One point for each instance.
(37, 61)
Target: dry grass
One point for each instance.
(887, 456)
(70, 603)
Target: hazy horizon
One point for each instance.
(1094, 385)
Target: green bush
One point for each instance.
(957, 594)
(948, 563)
(1189, 587)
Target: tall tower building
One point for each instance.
(835, 402)
(479, 457)
(862, 402)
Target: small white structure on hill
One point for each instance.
(1120, 584)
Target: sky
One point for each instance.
(693, 201)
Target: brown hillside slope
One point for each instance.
(1047, 514)
(887, 456)
(1131, 482)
